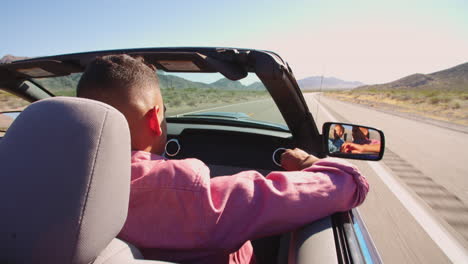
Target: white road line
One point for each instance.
(224, 106)
(448, 244)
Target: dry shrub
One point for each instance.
(434, 100)
(192, 103)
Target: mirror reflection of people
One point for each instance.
(361, 142)
(178, 212)
(334, 144)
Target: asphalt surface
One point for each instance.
(398, 235)
(427, 162)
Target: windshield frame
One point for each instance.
(274, 73)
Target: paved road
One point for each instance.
(263, 109)
(425, 162)
(414, 156)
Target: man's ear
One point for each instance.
(153, 120)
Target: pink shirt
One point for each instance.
(177, 213)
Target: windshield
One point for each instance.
(200, 95)
(8, 104)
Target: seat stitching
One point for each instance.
(88, 187)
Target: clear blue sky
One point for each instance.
(365, 40)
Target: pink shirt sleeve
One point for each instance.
(175, 205)
(248, 205)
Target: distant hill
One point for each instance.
(10, 58)
(454, 79)
(315, 83)
(61, 84)
(256, 86)
(172, 81)
(227, 84)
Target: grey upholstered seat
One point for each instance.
(65, 173)
(120, 252)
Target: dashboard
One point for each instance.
(227, 149)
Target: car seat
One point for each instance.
(65, 172)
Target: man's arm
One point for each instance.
(248, 205)
(358, 148)
(174, 203)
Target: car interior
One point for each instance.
(74, 155)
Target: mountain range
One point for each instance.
(172, 81)
(452, 79)
(10, 58)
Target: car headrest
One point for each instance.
(65, 181)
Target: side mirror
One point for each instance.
(352, 141)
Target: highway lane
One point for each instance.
(429, 160)
(263, 110)
(399, 237)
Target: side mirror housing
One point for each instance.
(351, 141)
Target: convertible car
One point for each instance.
(234, 109)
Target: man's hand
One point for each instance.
(296, 159)
(356, 148)
(351, 148)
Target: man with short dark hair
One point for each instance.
(131, 86)
(337, 141)
(177, 213)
